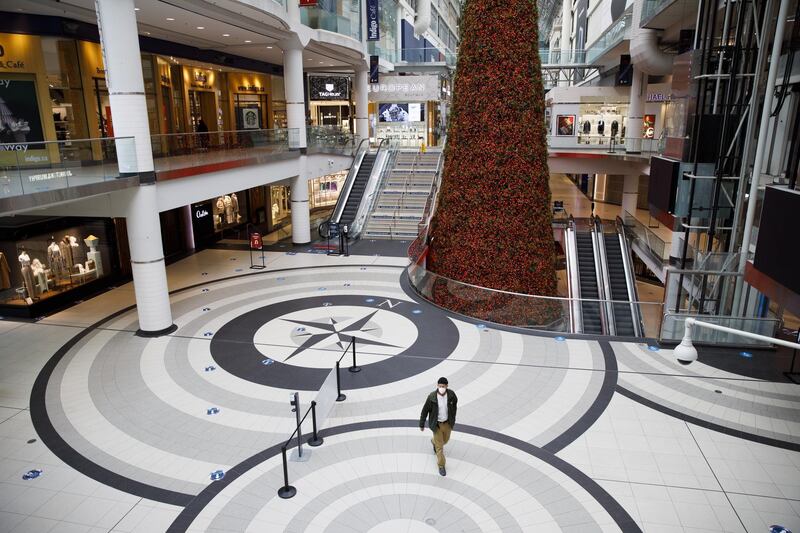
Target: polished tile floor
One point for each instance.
(553, 434)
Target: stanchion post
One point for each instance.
(355, 368)
(315, 439)
(287, 491)
(341, 397)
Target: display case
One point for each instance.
(229, 210)
(45, 263)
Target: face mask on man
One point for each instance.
(442, 390)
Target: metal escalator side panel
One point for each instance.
(371, 189)
(344, 195)
(630, 280)
(603, 279)
(573, 281)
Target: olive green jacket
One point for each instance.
(431, 410)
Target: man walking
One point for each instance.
(440, 409)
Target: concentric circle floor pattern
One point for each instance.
(156, 417)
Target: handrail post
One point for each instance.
(341, 397)
(354, 368)
(315, 439)
(287, 491)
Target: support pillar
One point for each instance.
(301, 217)
(630, 193)
(116, 20)
(362, 104)
(634, 123)
(295, 96)
(566, 39)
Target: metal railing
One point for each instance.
(418, 56)
(32, 167)
(646, 238)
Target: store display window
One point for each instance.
(229, 210)
(324, 191)
(402, 123)
(40, 266)
(598, 123)
(280, 204)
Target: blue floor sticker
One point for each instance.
(216, 475)
(31, 474)
(417, 311)
(747, 355)
(267, 362)
(210, 368)
(208, 334)
(560, 338)
(205, 290)
(212, 411)
(653, 348)
(206, 309)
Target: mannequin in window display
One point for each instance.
(55, 259)
(601, 127)
(93, 256)
(235, 205)
(27, 273)
(587, 127)
(228, 202)
(78, 253)
(5, 272)
(40, 276)
(66, 253)
(614, 128)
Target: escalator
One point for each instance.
(624, 320)
(591, 318)
(357, 190)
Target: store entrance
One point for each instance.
(250, 110)
(201, 106)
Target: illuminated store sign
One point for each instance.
(328, 88)
(658, 97)
(405, 89)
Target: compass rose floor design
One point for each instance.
(183, 432)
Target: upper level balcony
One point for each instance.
(608, 44)
(338, 16)
(662, 14)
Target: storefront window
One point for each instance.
(324, 191)
(280, 204)
(597, 123)
(66, 93)
(40, 266)
(229, 210)
(403, 123)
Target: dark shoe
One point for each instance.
(442, 471)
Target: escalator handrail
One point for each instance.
(573, 280)
(603, 277)
(630, 277)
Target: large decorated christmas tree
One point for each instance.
(493, 224)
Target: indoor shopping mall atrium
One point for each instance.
(399, 266)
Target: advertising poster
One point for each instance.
(328, 88)
(20, 123)
(566, 125)
(250, 118)
(373, 21)
(393, 113)
(374, 69)
(649, 126)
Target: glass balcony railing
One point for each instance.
(611, 38)
(562, 57)
(651, 8)
(656, 248)
(35, 167)
(418, 55)
(183, 154)
(331, 139)
(338, 16)
(609, 144)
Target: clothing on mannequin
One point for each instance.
(94, 255)
(228, 209)
(587, 127)
(56, 260)
(614, 128)
(78, 253)
(235, 206)
(5, 272)
(39, 275)
(66, 253)
(601, 127)
(27, 273)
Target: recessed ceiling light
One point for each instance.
(226, 34)
(170, 19)
(147, 33)
(136, 9)
(201, 27)
(269, 48)
(248, 41)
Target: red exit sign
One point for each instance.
(308, 3)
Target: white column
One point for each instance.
(630, 193)
(362, 104)
(566, 37)
(295, 95)
(301, 218)
(120, 42)
(634, 124)
(147, 261)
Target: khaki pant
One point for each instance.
(440, 438)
